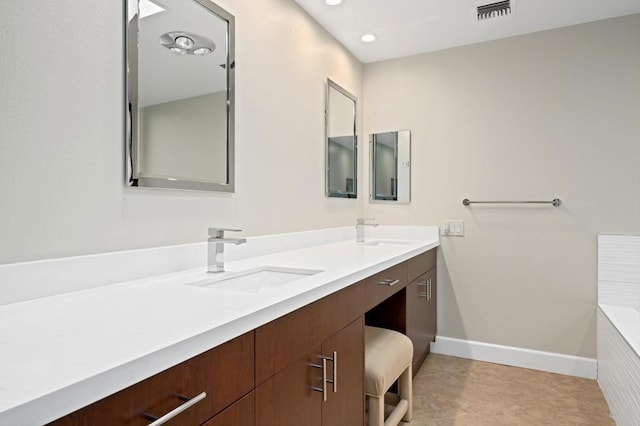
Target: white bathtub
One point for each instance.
(619, 361)
(619, 326)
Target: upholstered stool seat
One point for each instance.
(387, 358)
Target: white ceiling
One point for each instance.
(164, 76)
(409, 27)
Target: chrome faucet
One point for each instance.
(215, 254)
(360, 224)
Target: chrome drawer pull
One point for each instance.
(334, 379)
(388, 281)
(323, 389)
(171, 414)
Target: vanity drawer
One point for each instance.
(383, 285)
(241, 413)
(225, 373)
(420, 264)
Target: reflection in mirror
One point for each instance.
(180, 70)
(390, 166)
(341, 142)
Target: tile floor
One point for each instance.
(455, 391)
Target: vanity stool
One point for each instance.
(387, 358)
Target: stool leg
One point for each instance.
(405, 391)
(376, 411)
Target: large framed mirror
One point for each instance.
(390, 167)
(341, 142)
(180, 94)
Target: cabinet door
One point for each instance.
(345, 406)
(418, 320)
(293, 396)
(287, 398)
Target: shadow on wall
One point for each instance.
(447, 300)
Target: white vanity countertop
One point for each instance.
(63, 352)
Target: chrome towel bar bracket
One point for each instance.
(555, 202)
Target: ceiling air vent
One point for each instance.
(494, 10)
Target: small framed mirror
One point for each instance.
(180, 94)
(390, 168)
(341, 142)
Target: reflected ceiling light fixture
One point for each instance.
(185, 43)
(368, 38)
(333, 2)
(148, 8)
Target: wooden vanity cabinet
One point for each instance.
(274, 375)
(225, 373)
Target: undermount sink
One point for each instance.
(254, 280)
(384, 243)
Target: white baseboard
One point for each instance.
(517, 357)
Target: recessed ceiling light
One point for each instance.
(333, 2)
(185, 43)
(201, 51)
(368, 38)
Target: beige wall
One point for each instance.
(550, 114)
(61, 132)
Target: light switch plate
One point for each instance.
(452, 228)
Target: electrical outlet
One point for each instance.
(452, 228)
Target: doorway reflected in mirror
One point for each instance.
(390, 167)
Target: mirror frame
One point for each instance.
(372, 169)
(131, 113)
(333, 85)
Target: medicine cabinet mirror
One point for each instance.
(180, 94)
(390, 167)
(341, 142)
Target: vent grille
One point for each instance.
(494, 10)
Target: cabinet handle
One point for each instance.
(388, 281)
(423, 283)
(189, 402)
(334, 361)
(323, 389)
(429, 288)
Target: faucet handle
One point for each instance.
(219, 232)
(362, 220)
